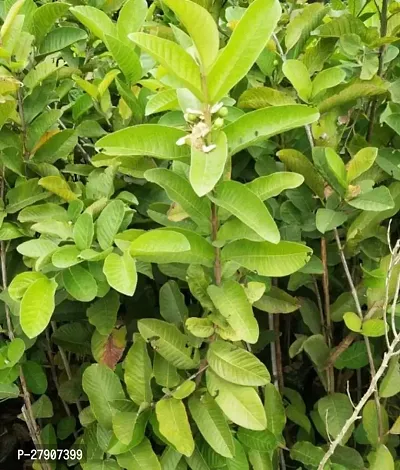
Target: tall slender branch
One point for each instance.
(360, 314)
(328, 324)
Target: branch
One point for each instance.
(360, 314)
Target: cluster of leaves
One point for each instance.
(181, 183)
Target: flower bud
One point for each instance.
(218, 123)
(223, 112)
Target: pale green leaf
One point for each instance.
(242, 405)
(131, 18)
(120, 272)
(58, 186)
(335, 410)
(247, 207)
(108, 223)
(272, 185)
(95, 20)
(173, 57)
(390, 385)
(231, 301)
(297, 73)
(327, 219)
(206, 169)
(141, 457)
(277, 301)
(83, 231)
(79, 283)
(244, 46)
(236, 365)
(328, 78)
(261, 97)
(174, 425)
(259, 125)
(138, 372)
(274, 410)
(126, 58)
(377, 200)
(268, 259)
(164, 100)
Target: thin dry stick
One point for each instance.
(65, 363)
(328, 324)
(360, 314)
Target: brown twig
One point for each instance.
(23, 123)
(278, 351)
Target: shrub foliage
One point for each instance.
(195, 231)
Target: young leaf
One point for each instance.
(37, 306)
(140, 457)
(231, 301)
(206, 168)
(173, 57)
(269, 186)
(331, 167)
(59, 186)
(328, 78)
(169, 342)
(95, 20)
(296, 72)
(212, 424)
(377, 200)
(242, 405)
(266, 258)
(236, 365)
(247, 207)
(138, 371)
(327, 219)
(79, 283)
(131, 18)
(180, 191)
(172, 411)
(108, 223)
(125, 57)
(201, 28)
(83, 231)
(120, 272)
(274, 410)
(245, 45)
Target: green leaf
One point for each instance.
(236, 365)
(377, 200)
(35, 377)
(141, 457)
(272, 185)
(301, 25)
(36, 248)
(173, 57)
(260, 460)
(370, 422)
(138, 372)
(328, 78)
(361, 162)
(126, 58)
(239, 461)
(268, 259)
(165, 374)
(151, 140)
(95, 20)
(102, 386)
(131, 18)
(274, 410)
(331, 167)
(247, 207)
(172, 303)
(108, 223)
(21, 282)
(66, 256)
(172, 411)
(169, 342)
(44, 18)
(307, 453)
(296, 161)
(129, 427)
(354, 357)
(277, 301)
(37, 306)
(61, 38)
(180, 191)
(206, 169)
(83, 231)
(263, 441)
(59, 186)
(24, 195)
(381, 459)
(335, 410)
(248, 40)
(79, 283)
(201, 28)
(259, 125)
(102, 314)
(352, 92)
(390, 385)
(74, 337)
(212, 424)
(373, 328)
(161, 101)
(231, 301)
(327, 219)
(297, 73)
(261, 97)
(120, 272)
(242, 405)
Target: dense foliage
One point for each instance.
(198, 233)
